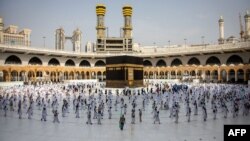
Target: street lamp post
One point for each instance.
(202, 39)
(169, 43)
(107, 32)
(44, 41)
(120, 31)
(185, 42)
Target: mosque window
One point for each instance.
(234, 59)
(213, 61)
(69, 63)
(13, 60)
(100, 63)
(161, 63)
(35, 61)
(54, 62)
(147, 63)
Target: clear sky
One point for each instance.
(154, 21)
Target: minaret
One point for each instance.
(247, 25)
(100, 13)
(127, 29)
(77, 40)
(1, 30)
(221, 30)
(60, 39)
(241, 28)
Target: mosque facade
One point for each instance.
(227, 61)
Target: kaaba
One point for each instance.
(124, 71)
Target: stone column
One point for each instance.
(236, 76)
(219, 75)
(245, 75)
(227, 75)
(175, 74)
(18, 76)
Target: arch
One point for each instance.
(5, 76)
(69, 62)
(223, 75)
(77, 75)
(176, 62)
(22, 76)
(179, 76)
(53, 76)
(161, 63)
(198, 74)
(39, 74)
(14, 75)
(214, 75)
(155, 75)
(93, 75)
(53, 62)
(31, 75)
(147, 63)
(71, 75)
(100, 63)
(60, 76)
(247, 74)
(66, 75)
(213, 61)
(99, 76)
(151, 75)
(173, 75)
(161, 75)
(231, 75)
(193, 61)
(87, 75)
(207, 75)
(35, 61)
(82, 75)
(234, 59)
(166, 75)
(192, 74)
(13, 59)
(84, 63)
(240, 76)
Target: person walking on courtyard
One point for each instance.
(140, 115)
(44, 114)
(29, 112)
(56, 116)
(133, 116)
(19, 111)
(157, 117)
(122, 122)
(89, 117)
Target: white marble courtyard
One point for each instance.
(70, 128)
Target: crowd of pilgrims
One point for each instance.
(94, 101)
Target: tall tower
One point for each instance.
(247, 24)
(60, 39)
(77, 40)
(100, 13)
(26, 33)
(1, 30)
(221, 30)
(127, 29)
